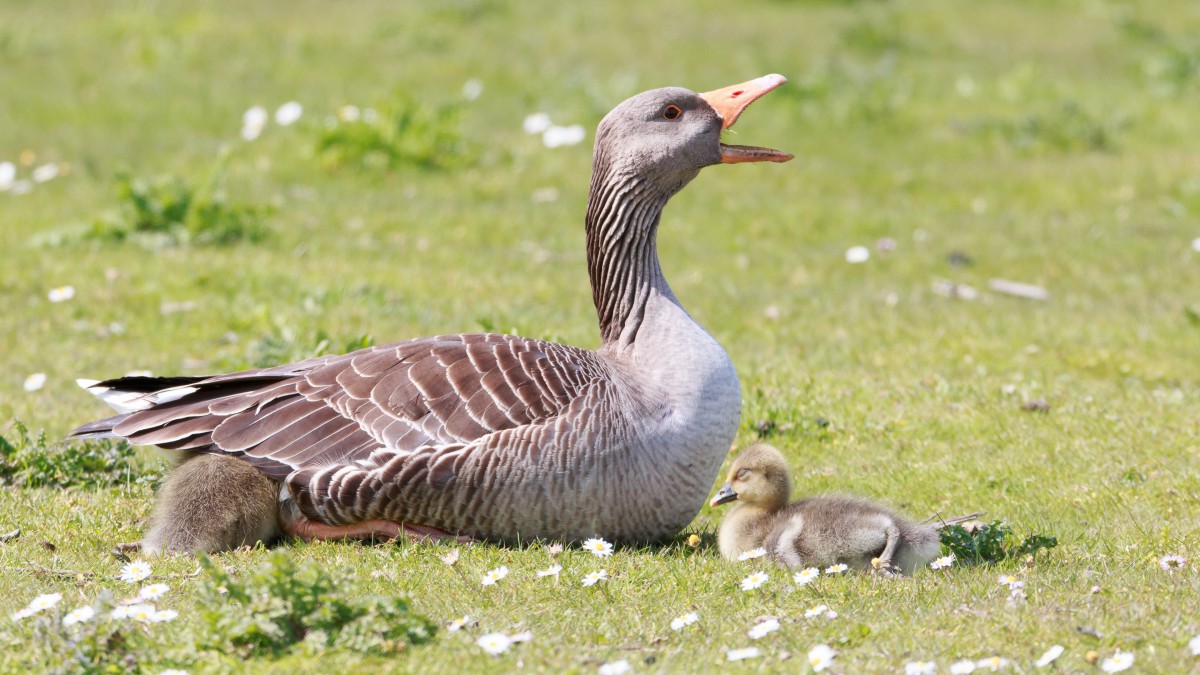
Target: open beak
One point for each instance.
(729, 103)
(723, 496)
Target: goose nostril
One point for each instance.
(736, 94)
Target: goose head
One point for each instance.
(666, 136)
(758, 477)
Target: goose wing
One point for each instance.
(397, 398)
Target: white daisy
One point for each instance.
(688, 619)
(963, 667)
(457, 624)
(253, 122)
(61, 294)
(598, 547)
(857, 254)
(591, 578)
(164, 615)
(615, 668)
(943, 562)
(743, 654)
(754, 581)
(1011, 581)
(1120, 661)
(119, 613)
(494, 643)
(46, 601)
(536, 123)
(816, 611)
(820, 657)
(920, 668)
(79, 615)
(495, 575)
(143, 612)
(555, 136)
(451, 558)
(1051, 654)
(44, 173)
(173, 671)
(806, 576)
(23, 613)
(993, 664)
(837, 569)
(135, 571)
(1171, 563)
(521, 637)
(8, 176)
(153, 591)
(1195, 242)
(551, 571)
(35, 381)
(763, 628)
(1194, 645)
(288, 113)
(472, 89)
(752, 554)
(554, 549)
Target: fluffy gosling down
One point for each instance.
(817, 531)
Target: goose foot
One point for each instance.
(297, 525)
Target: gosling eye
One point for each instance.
(672, 112)
(743, 474)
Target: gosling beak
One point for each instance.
(723, 496)
(729, 103)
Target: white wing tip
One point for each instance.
(86, 383)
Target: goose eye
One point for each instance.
(742, 474)
(672, 112)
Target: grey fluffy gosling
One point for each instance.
(817, 531)
(213, 503)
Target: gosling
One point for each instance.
(213, 503)
(817, 531)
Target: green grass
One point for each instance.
(1048, 142)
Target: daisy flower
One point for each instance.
(471, 90)
(555, 136)
(164, 615)
(837, 569)
(253, 122)
(1120, 661)
(494, 643)
(763, 628)
(554, 550)
(144, 613)
(820, 657)
(288, 113)
(521, 637)
(743, 654)
(536, 123)
(598, 547)
(1051, 654)
(8, 176)
(752, 554)
(1194, 645)
(135, 571)
(1171, 563)
(805, 576)
(615, 668)
(35, 381)
(153, 591)
(551, 571)
(1011, 581)
(23, 613)
(457, 624)
(61, 294)
(816, 611)
(920, 668)
(943, 562)
(45, 172)
(44, 601)
(690, 618)
(173, 671)
(495, 575)
(119, 613)
(993, 664)
(78, 616)
(591, 578)
(963, 667)
(451, 558)
(754, 581)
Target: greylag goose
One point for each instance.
(496, 436)
(817, 531)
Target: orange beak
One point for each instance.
(729, 103)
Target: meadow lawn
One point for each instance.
(1055, 143)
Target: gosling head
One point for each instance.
(758, 477)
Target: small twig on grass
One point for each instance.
(42, 569)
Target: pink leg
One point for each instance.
(297, 525)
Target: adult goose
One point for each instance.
(495, 436)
